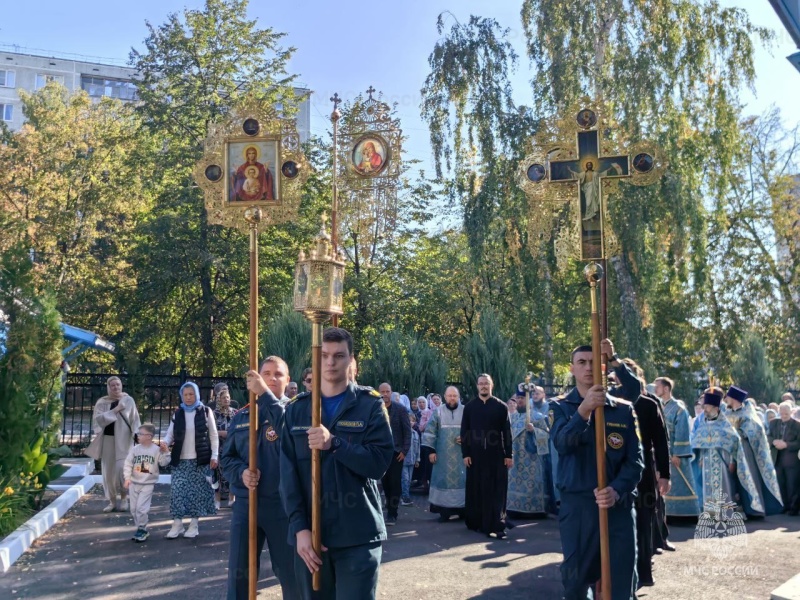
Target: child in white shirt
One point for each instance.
(141, 474)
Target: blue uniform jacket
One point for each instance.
(235, 452)
(351, 504)
(573, 439)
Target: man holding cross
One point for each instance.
(573, 436)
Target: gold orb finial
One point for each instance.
(253, 215)
(593, 272)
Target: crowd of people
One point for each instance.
(486, 461)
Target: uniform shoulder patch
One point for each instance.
(300, 397)
(370, 390)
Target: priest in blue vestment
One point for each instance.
(528, 492)
(682, 500)
(720, 466)
(742, 415)
(443, 439)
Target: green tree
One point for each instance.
(752, 370)
(670, 71)
(30, 360)
(755, 242)
(386, 362)
(488, 350)
(194, 69)
(408, 363)
(288, 335)
(72, 191)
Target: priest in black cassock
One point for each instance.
(486, 449)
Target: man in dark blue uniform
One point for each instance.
(273, 525)
(356, 448)
(572, 433)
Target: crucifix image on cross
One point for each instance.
(588, 170)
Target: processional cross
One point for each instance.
(586, 165)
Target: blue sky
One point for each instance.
(344, 46)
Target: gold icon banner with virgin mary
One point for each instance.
(369, 145)
(251, 172)
(574, 158)
(368, 151)
(252, 159)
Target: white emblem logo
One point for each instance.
(720, 529)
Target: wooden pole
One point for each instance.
(604, 301)
(600, 441)
(252, 553)
(316, 463)
(335, 116)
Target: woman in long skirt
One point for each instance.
(195, 451)
(115, 420)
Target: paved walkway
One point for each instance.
(89, 555)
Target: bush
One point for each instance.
(405, 361)
(30, 374)
(752, 370)
(488, 351)
(15, 503)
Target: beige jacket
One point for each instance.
(126, 423)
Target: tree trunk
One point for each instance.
(547, 316)
(207, 303)
(631, 325)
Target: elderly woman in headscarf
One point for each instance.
(115, 420)
(195, 452)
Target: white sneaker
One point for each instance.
(216, 504)
(177, 529)
(231, 500)
(111, 507)
(194, 529)
(123, 505)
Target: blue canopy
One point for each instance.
(83, 340)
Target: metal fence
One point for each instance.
(156, 398)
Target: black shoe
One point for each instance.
(669, 546)
(500, 535)
(443, 519)
(793, 512)
(390, 521)
(648, 583)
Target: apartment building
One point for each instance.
(30, 72)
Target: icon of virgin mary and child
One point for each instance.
(252, 181)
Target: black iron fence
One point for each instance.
(156, 397)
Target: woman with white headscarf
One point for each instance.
(115, 420)
(195, 452)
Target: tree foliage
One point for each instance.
(753, 371)
(288, 335)
(410, 365)
(194, 69)
(489, 351)
(30, 360)
(72, 193)
(667, 70)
